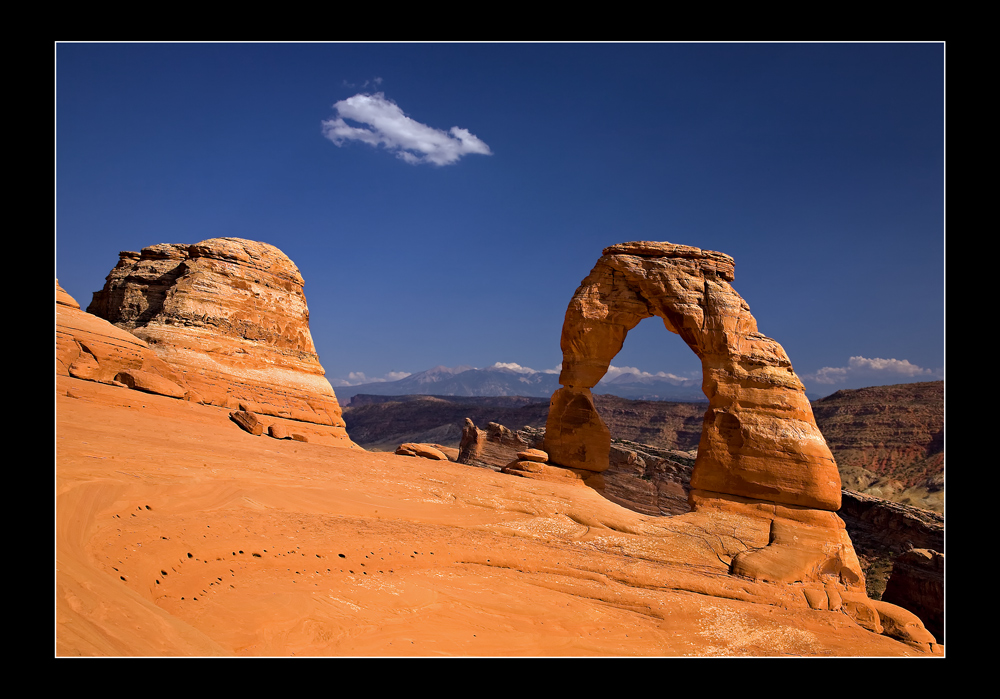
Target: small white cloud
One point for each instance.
(384, 123)
(862, 367)
(828, 375)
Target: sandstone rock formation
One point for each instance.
(530, 463)
(230, 316)
(655, 481)
(278, 430)
(759, 438)
(495, 446)
(93, 349)
(425, 451)
(887, 440)
(761, 456)
(248, 422)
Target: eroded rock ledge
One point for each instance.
(230, 316)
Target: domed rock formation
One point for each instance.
(230, 315)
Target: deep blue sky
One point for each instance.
(818, 167)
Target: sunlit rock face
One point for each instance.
(92, 349)
(759, 438)
(231, 317)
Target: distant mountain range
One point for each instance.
(502, 381)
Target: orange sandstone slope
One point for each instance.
(178, 534)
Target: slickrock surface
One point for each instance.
(889, 440)
(656, 481)
(179, 534)
(231, 317)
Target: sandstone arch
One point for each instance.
(759, 439)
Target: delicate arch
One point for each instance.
(759, 438)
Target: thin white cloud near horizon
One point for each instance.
(615, 371)
(858, 367)
(513, 366)
(356, 378)
(386, 125)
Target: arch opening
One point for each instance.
(759, 438)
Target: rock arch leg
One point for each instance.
(759, 439)
(598, 319)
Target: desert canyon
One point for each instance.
(210, 501)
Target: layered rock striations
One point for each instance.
(92, 349)
(889, 440)
(764, 476)
(231, 317)
(759, 438)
